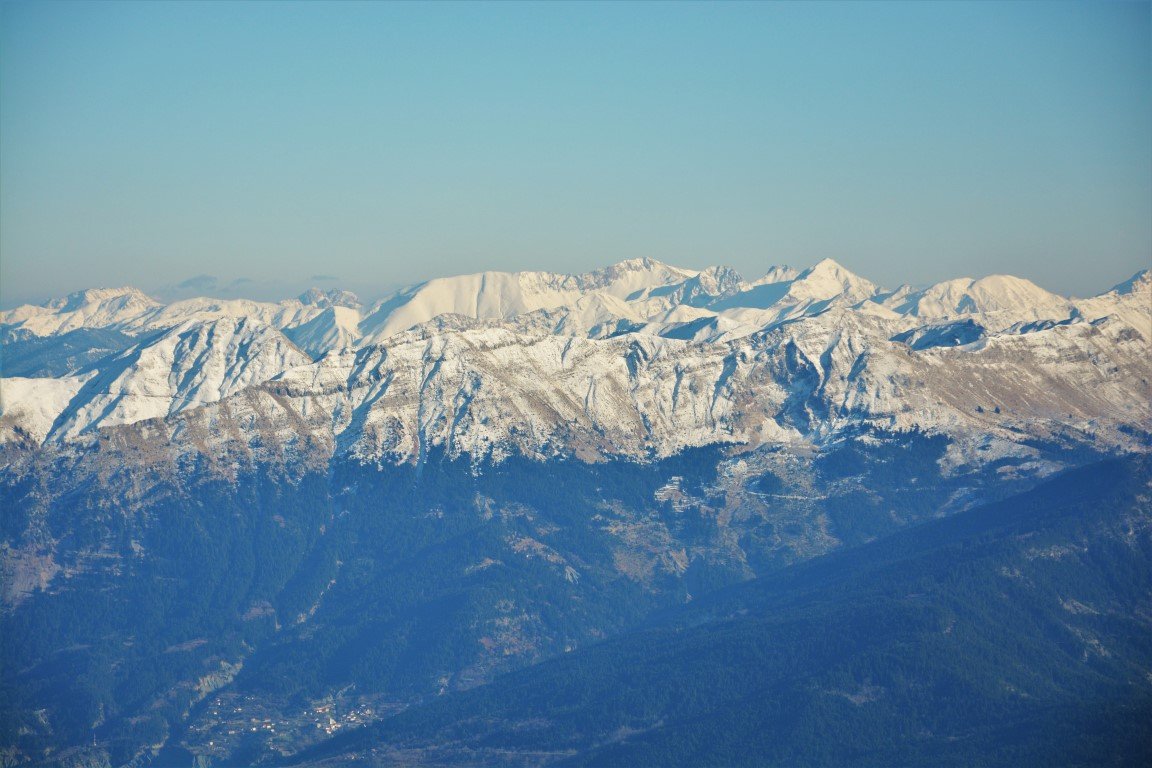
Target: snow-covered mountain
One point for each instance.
(95, 308)
(638, 359)
(195, 363)
(131, 311)
(336, 328)
(506, 295)
(999, 299)
(364, 507)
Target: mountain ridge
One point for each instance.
(640, 358)
(631, 280)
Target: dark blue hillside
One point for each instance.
(1018, 633)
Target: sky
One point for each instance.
(257, 148)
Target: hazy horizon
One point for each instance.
(212, 286)
(377, 145)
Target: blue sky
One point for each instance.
(149, 143)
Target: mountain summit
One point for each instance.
(829, 280)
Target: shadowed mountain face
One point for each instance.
(1011, 634)
(235, 529)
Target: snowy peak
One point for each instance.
(777, 274)
(829, 280)
(506, 295)
(784, 295)
(93, 308)
(1129, 301)
(102, 297)
(627, 277)
(712, 283)
(189, 366)
(699, 290)
(997, 293)
(1003, 299)
(334, 329)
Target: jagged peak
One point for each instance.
(312, 296)
(720, 271)
(646, 264)
(719, 279)
(331, 298)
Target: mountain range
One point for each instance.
(444, 526)
(638, 358)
